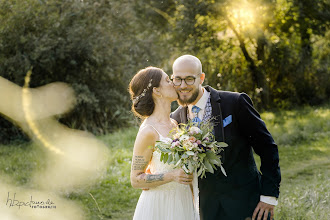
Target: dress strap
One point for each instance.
(155, 130)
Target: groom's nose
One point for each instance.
(183, 84)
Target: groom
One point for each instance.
(245, 192)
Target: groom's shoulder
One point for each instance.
(227, 96)
(176, 114)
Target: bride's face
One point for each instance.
(167, 89)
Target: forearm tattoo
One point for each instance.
(139, 163)
(152, 178)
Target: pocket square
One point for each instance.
(227, 120)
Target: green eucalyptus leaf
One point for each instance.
(170, 158)
(222, 144)
(162, 157)
(177, 163)
(190, 153)
(165, 158)
(186, 170)
(211, 155)
(223, 170)
(190, 167)
(208, 166)
(177, 157)
(200, 170)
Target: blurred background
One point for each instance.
(275, 51)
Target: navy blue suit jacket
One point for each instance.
(236, 196)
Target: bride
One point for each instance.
(167, 194)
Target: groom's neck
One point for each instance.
(200, 94)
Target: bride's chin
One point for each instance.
(175, 98)
(172, 99)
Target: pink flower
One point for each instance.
(176, 143)
(198, 142)
(192, 139)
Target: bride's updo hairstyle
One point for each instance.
(140, 89)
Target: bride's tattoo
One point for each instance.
(152, 178)
(141, 176)
(139, 163)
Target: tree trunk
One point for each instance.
(258, 76)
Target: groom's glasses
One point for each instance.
(189, 80)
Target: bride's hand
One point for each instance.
(180, 176)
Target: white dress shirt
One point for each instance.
(201, 103)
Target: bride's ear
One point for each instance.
(156, 91)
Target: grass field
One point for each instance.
(303, 137)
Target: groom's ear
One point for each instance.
(202, 77)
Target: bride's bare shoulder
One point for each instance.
(147, 132)
(145, 138)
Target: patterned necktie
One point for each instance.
(195, 109)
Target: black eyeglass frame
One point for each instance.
(193, 76)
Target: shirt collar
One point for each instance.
(202, 101)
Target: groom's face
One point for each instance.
(189, 88)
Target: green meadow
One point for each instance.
(302, 135)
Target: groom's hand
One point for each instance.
(263, 209)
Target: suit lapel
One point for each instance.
(183, 115)
(216, 113)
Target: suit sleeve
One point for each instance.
(254, 129)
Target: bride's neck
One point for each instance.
(161, 112)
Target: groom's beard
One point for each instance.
(190, 100)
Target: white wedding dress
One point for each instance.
(170, 201)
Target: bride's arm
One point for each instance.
(142, 155)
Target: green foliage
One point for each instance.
(268, 49)
(304, 162)
(293, 127)
(276, 51)
(83, 43)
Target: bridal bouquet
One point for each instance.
(193, 149)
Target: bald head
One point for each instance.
(187, 63)
(188, 79)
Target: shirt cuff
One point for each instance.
(269, 200)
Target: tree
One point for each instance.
(95, 46)
(263, 47)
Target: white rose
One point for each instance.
(187, 145)
(184, 138)
(195, 130)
